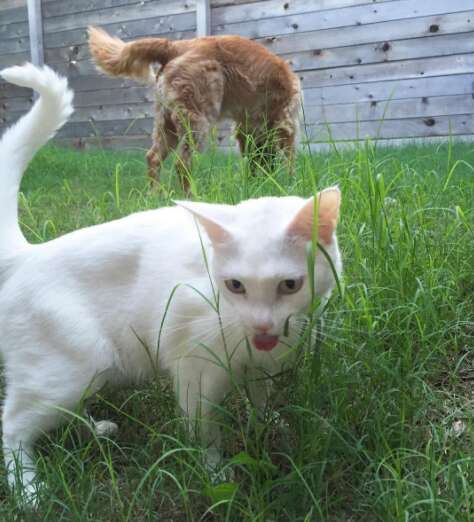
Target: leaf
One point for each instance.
(221, 492)
(244, 459)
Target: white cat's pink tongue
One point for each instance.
(265, 342)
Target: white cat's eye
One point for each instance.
(290, 286)
(235, 286)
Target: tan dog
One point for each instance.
(205, 79)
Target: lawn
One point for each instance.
(375, 424)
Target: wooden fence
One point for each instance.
(388, 69)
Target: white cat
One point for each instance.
(181, 289)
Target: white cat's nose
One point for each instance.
(263, 327)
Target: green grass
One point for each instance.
(368, 434)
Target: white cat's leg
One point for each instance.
(36, 399)
(198, 395)
(22, 425)
(198, 404)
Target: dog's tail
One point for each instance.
(22, 140)
(132, 59)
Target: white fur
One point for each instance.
(21, 141)
(76, 312)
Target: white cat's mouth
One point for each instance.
(265, 342)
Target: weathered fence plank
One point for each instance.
(107, 128)
(16, 58)
(394, 89)
(61, 8)
(227, 11)
(435, 66)
(393, 142)
(97, 81)
(119, 14)
(413, 48)
(427, 106)
(231, 14)
(95, 98)
(6, 5)
(131, 111)
(16, 45)
(120, 96)
(379, 32)
(13, 24)
(138, 143)
(403, 128)
(15, 104)
(152, 26)
(339, 18)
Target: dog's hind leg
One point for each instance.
(195, 88)
(193, 131)
(285, 127)
(164, 140)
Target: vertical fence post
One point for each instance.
(203, 18)
(35, 26)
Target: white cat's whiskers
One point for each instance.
(192, 322)
(329, 331)
(166, 329)
(209, 338)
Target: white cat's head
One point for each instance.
(259, 257)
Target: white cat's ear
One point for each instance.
(329, 202)
(208, 216)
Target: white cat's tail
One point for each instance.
(23, 139)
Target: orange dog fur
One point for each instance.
(202, 80)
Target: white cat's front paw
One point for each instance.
(105, 428)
